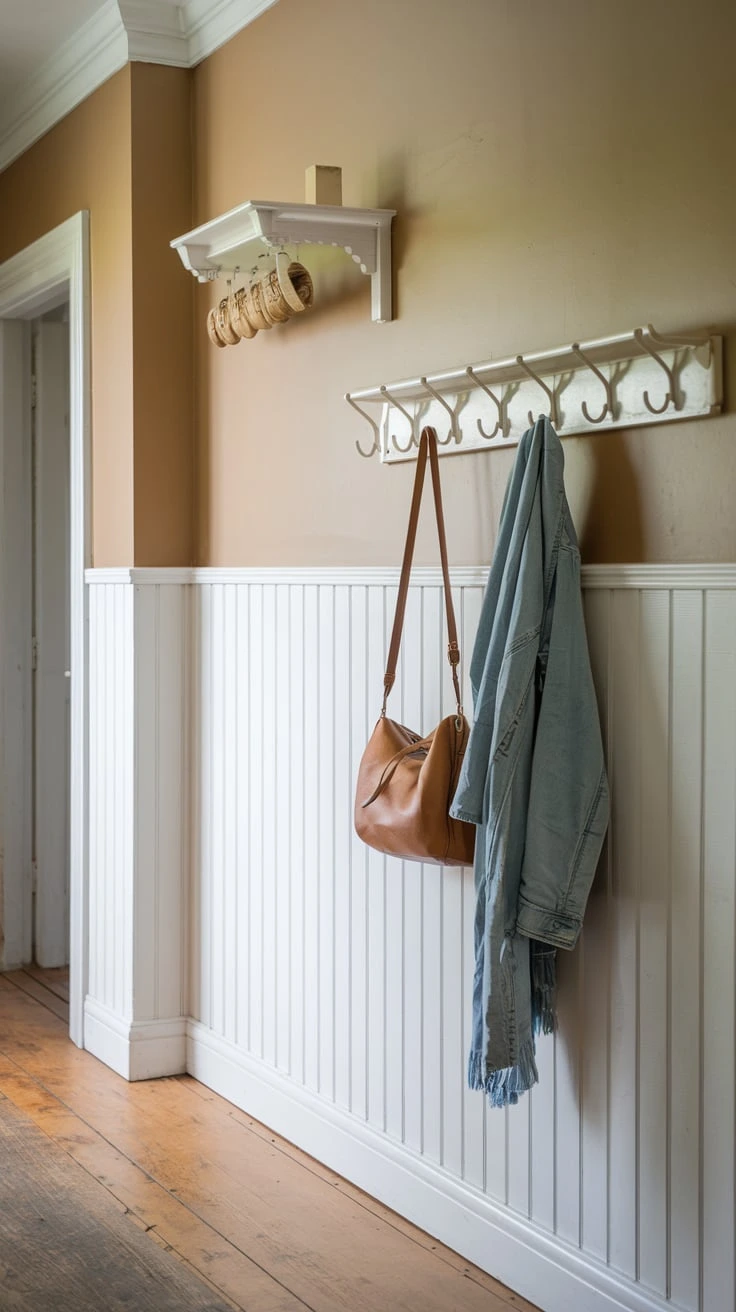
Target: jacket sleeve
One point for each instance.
(568, 802)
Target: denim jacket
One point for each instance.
(533, 779)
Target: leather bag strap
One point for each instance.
(427, 445)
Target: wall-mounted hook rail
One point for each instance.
(628, 367)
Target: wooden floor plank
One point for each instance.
(64, 1244)
(230, 1271)
(339, 1183)
(54, 978)
(165, 1149)
(28, 983)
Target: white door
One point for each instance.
(50, 646)
(16, 930)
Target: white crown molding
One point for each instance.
(210, 23)
(179, 33)
(91, 55)
(155, 32)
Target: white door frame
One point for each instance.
(56, 268)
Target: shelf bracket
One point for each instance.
(217, 248)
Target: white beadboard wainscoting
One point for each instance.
(327, 987)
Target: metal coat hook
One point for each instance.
(608, 407)
(376, 432)
(453, 435)
(498, 404)
(412, 440)
(553, 413)
(671, 394)
(695, 342)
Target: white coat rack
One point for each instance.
(640, 377)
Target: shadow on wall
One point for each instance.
(338, 284)
(611, 529)
(391, 192)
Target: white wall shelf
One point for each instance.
(231, 242)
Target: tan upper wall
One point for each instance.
(125, 155)
(84, 163)
(163, 300)
(560, 172)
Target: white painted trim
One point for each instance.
(660, 576)
(88, 58)
(665, 576)
(148, 577)
(540, 1267)
(210, 23)
(54, 267)
(137, 1050)
(153, 31)
(115, 574)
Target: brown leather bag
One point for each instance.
(406, 781)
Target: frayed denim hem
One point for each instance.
(505, 1087)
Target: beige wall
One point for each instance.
(125, 155)
(163, 393)
(560, 172)
(85, 163)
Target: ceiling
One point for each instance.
(54, 53)
(31, 31)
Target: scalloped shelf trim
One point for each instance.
(226, 244)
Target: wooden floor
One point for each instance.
(266, 1227)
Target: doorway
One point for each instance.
(50, 639)
(52, 272)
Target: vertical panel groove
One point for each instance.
(668, 1021)
(262, 899)
(384, 1064)
(303, 863)
(421, 874)
(610, 858)
(366, 875)
(318, 776)
(235, 721)
(349, 927)
(581, 1098)
(637, 976)
(701, 961)
(333, 874)
(157, 791)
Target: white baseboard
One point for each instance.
(137, 1050)
(538, 1266)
